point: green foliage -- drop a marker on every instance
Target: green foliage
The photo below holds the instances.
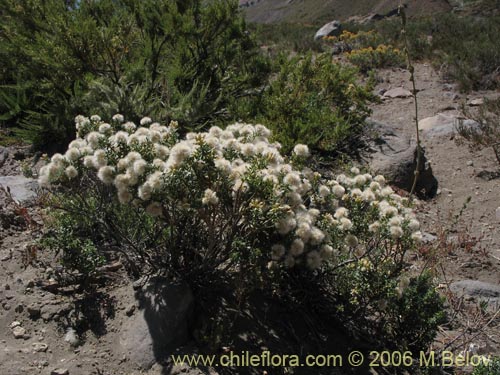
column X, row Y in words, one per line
column 71, row 236
column 415, row 317
column 279, row 37
column 367, row 50
column 187, row 60
column 315, row 102
column 491, row 367
column 465, row 48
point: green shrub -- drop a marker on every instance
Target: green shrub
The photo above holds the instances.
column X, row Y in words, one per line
column 188, row 60
column 293, row 37
column 71, row 237
column 491, row 367
column 316, row 102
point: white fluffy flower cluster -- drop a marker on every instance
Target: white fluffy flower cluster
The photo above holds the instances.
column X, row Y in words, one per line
column 317, row 218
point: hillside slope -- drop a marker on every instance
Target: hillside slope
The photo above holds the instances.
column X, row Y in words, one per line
column 317, row 11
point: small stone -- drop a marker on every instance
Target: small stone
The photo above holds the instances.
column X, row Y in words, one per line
column 40, row 347
column 476, row 102
column 470, row 163
column 19, row 309
column 34, row 312
column 72, row 338
column 19, row 332
column 60, row 371
column 15, row 324
column 7, row 257
column 397, row 92
column 130, row 311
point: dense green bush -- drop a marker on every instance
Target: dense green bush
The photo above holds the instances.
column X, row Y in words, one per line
column 315, row 101
column 187, row 60
column 489, row 367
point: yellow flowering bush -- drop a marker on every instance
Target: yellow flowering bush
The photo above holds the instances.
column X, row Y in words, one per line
column 367, row 50
column 381, row 57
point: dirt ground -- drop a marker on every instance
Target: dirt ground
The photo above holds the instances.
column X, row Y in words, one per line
column 40, row 318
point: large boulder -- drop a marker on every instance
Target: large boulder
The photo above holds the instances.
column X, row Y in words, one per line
column 333, row 28
column 480, row 290
column 160, row 325
column 395, row 157
column 21, row 188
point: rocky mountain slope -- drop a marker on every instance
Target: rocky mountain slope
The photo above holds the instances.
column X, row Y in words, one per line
column 318, row 11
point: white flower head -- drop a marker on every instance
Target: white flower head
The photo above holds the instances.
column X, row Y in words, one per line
column 118, row 118
column 106, row 174
column 146, row 121
column 301, row 151
column 297, row 247
column 71, row 172
column 209, row 197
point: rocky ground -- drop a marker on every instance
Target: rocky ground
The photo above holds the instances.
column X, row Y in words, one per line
column 49, row 329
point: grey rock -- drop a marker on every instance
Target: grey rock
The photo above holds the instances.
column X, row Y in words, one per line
column 33, row 312
column 4, row 154
column 395, row 158
column 478, row 289
column 53, row 312
column 160, row 325
column 19, row 332
column 397, row 92
column 21, row 188
column 333, row 28
column 443, row 125
column 476, row 102
column 60, row 371
column 428, row 238
column 40, row 347
column 72, row 338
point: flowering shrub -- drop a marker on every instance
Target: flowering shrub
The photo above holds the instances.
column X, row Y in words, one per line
column 226, row 207
column 367, row 51
column 228, row 199
column 380, row 57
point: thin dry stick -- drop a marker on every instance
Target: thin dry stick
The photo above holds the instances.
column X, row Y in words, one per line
column 411, row 68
